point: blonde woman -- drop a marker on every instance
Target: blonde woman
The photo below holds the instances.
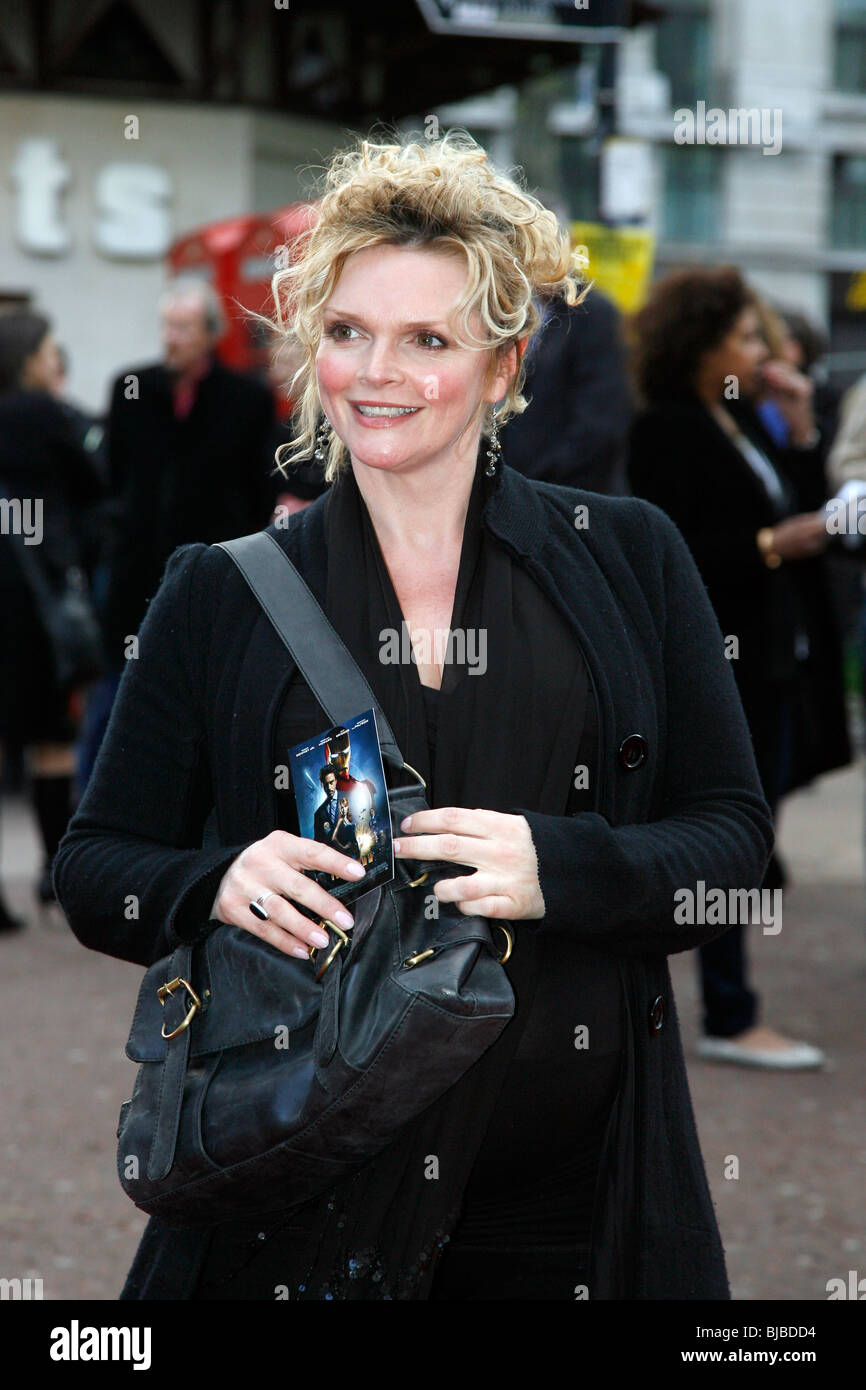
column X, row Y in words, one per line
column 593, row 764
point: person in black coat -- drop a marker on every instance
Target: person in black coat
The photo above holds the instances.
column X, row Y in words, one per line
column 190, row 456
column 603, row 657
column 750, row 513
column 575, row 430
column 671, row 806
column 44, row 466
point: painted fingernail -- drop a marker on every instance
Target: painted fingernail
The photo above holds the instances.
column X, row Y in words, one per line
column 319, row 938
column 405, row 822
column 301, row 951
column 396, row 846
column 344, row 920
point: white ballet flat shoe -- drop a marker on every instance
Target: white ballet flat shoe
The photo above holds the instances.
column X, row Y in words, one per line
column 798, row 1057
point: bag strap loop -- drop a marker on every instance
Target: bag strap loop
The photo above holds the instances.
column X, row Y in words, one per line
column 162, row 1149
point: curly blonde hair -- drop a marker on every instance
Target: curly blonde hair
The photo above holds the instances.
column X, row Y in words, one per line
column 440, row 194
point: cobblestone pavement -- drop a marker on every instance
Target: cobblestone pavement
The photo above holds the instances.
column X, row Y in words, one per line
column 791, row 1220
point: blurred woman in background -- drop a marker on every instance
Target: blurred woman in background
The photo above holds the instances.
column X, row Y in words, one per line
column 750, row 512
column 49, row 483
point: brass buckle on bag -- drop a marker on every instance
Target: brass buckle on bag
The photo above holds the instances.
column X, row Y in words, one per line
column 510, row 940
column 416, row 772
column 342, row 941
column 423, row 955
column 416, row 960
column 168, row 989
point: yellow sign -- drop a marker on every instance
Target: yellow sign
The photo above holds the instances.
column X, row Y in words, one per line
column 855, row 295
column 620, row 261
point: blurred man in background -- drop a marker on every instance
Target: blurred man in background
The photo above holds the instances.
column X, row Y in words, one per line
column 190, row 458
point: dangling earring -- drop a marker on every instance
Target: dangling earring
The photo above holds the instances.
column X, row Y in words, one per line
column 494, row 451
column 324, row 434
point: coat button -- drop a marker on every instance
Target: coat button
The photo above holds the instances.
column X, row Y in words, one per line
column 657, row 1014
column 633, row 752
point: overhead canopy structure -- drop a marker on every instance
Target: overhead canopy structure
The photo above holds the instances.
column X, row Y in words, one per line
column 347, row 62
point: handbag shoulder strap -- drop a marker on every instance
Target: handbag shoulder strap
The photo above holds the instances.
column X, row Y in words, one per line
column 319, row 653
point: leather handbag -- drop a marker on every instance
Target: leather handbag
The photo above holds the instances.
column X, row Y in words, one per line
column 73, row 630
column 264, row 1078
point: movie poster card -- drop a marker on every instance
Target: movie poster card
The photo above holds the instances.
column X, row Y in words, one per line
column 342, row 800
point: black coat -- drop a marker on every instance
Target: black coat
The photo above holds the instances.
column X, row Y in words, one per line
column 202, row 478
column 575, row 429
column 678, row 801
column 685, row 463
column 41, row 459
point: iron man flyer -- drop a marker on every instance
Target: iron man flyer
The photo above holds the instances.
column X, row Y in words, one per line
column 339, row 786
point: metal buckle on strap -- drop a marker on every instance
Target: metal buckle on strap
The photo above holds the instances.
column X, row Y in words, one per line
column 509, row 940
column 416, row 772
column 342, row 940
column 411, row 961
column 165, row 991
column 417, row 959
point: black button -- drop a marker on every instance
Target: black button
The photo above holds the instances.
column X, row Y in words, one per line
column 633, row 751
column 657, row 1014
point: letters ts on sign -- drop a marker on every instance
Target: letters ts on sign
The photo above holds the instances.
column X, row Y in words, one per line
column 132, row 205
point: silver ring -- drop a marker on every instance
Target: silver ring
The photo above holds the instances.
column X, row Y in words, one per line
column 257, row 908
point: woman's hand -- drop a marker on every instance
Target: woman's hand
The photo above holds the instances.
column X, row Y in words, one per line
column 497, row 845
column 275, row 863
column 792, row 392
column 800, row 536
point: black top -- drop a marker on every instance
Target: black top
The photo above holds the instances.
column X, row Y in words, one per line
column 534, row 1178
column 553, row 1109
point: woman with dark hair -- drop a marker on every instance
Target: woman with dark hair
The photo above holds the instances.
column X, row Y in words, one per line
column 750, row 513
column 48, row 485
column 569, row 782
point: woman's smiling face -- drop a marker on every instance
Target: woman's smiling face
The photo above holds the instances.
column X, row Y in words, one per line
column 393, row 380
